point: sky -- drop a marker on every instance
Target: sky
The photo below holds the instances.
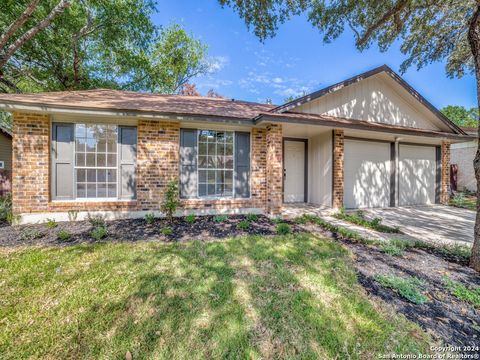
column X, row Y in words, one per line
column 296, row 60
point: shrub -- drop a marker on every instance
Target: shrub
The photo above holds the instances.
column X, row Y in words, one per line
column 12, row 218
column 5, row 207
column 149, row 218
column 29, row 234
column 358, row 218
column 51, row 223
column 96, row 221
column 302, row 220
column 283, row 229
column 409, row 288
column 167, row 231
column 243, row 225
column 190, row 219
column 391, row 249
column 171, row 200
column 63, row 235
column 99, row 232
column 220, row 218
column 252, row 217
column 460, row 291
column 72, row 215
column 276, row 220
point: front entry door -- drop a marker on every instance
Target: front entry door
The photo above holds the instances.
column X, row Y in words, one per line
column 294, row 171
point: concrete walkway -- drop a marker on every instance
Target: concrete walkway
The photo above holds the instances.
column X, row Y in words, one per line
column 438, row 224
column 441, row 224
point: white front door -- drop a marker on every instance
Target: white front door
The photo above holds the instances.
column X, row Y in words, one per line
column 294, row 163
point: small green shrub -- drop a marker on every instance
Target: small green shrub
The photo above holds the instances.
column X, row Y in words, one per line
column 301, row 220
column 190, row 219
column 72, row 215
column 167, row 231
column 149, row 218
column 358, row 218
column 409, row 288
column 99, row 232
column 171, row 200
column 391, row 249
column 51, row 223
column 5, row 207
column 243, row 225
column 283, row 229
column 29, row 234
column 63, row 235
column 460, row 291
column 12, row 218
column 252, row 217
column 220, row 218
column 276, row 220
column 96, row 221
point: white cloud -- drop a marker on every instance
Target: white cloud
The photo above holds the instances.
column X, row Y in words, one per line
column 217, row 63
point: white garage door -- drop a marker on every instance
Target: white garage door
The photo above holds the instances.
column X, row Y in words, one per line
column 367, row 174
column 416, row 178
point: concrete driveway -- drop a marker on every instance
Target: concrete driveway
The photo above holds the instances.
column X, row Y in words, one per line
column 443, row 224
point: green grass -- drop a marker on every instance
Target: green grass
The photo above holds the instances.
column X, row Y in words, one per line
column 410, row 288
column 358, row 218
column 220, row 218
column 460, row 291
column 463, row 200
column 293, row 296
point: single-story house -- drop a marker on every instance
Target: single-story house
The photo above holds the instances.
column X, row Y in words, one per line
column 369, row 141
column 462, row 156
column 5, row 161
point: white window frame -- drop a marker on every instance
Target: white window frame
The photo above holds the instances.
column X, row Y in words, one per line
column 215, row 197
column 75, row 167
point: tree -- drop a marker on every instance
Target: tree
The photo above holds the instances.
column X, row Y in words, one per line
column 461, row 116
column 429, row 31
column 92, row 44
column 212, row 93
column 189, row 90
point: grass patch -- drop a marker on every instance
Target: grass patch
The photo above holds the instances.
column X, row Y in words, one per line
column 294, row 296
column 149, row 218
column 409, row 288
column 459, row 252
column 464, row 201
column 220, row 218
column 396, row 247
column 358, row 218
column 283, row 229
column 460, row 291
column 190, row 219
column 243, row 225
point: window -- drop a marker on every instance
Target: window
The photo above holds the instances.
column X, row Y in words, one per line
column 215, row 163
column 96, row 161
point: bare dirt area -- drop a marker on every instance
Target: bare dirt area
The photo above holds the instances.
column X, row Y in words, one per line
column 203, row 228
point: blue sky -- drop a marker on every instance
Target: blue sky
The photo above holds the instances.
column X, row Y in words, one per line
column 296, row 60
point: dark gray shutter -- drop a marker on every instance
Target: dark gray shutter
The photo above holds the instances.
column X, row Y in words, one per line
column 188, row 163
column 127, row 159
column 62, row 161
column 242, row 165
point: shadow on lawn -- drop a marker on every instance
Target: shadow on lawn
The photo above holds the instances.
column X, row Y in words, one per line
column 243, row 299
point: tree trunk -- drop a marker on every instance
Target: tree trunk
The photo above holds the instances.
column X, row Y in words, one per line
column 9, row 31
column 474, row 41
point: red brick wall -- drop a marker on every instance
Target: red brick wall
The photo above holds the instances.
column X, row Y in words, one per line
column 338, row 164
column 274, row 168
column 444, row 195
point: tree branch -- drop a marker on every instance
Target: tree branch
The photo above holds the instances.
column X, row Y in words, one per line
column 386, row 17
column 9, row 31
column 56, row 11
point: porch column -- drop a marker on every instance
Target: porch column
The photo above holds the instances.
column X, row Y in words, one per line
column 338, row 183
column 274, row 169
column 445, row 181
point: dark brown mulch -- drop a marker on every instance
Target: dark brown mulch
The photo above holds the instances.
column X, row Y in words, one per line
column 445, row 317
column 204, row 228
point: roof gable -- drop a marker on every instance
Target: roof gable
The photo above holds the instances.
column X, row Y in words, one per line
column 390, row 99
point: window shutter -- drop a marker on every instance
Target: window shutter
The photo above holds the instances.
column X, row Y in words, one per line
column 62, row 161
column 127, row 152
column 242, row 165
column 188, row 163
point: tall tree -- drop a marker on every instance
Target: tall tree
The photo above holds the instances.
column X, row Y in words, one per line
column 429, row 31
column 91, row 44
column 461, row 116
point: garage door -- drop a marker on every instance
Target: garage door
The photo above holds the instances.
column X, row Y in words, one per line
column 367, row 174
column 416, row 178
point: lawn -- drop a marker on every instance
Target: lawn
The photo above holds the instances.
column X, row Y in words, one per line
column 293, row 296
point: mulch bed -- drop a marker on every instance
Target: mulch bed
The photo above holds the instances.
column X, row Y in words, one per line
column 445, row 317
column 204, row 228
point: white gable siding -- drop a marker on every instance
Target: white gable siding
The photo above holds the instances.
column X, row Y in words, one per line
column 377, row 99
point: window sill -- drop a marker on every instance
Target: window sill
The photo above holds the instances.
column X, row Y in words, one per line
column 102, row 200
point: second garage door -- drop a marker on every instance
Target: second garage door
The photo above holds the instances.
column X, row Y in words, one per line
column 367, row 174
column 417, row 173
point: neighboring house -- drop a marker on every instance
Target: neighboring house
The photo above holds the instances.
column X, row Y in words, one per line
column 5, row 161
column 370, row 141
column 462, row 156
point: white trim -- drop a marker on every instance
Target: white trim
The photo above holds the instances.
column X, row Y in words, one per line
column 35, row 218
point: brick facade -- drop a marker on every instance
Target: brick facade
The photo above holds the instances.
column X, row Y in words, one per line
column 445, row 181
column 157, row 163
column 338, row 173
column 274, row 141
